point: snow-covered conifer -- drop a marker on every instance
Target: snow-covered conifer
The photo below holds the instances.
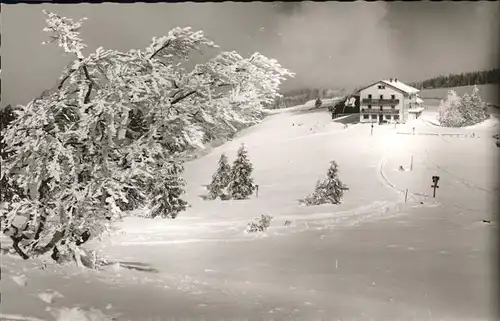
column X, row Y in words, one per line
column 241, row 185
column 479, row 109
column 166, row 194
column 467, row 110
column 449, row 111
column 220, row 179
column 330, row 190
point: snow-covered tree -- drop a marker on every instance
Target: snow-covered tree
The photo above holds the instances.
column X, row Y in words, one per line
column 467, row 110
column 241, row 185
column 166, row 194
column 119, row 124
column 8, row 190
column 449, row 111
column 479, row 108
column 329, row 190
column 220, row 179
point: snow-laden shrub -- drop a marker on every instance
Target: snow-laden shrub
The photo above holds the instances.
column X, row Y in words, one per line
column 241, row 184
column 113, row 133
column 456, row 111
column 329, row 190
column 261, row 225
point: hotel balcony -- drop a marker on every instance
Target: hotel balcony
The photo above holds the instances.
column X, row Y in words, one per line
column 378, row 111
column 378, row 102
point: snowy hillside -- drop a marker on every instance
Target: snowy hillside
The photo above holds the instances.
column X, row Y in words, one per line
column 325, row 103
column 374, row 256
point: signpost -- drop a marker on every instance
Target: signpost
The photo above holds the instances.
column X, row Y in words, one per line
column 435, row 180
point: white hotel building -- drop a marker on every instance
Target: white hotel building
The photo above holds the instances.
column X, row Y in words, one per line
column 389, row 101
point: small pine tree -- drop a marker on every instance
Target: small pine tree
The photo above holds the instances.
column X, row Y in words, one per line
column 167, row 202
column 466, row 110
column 330, row 190
column 241, row 184
column 449, row 111
column 479, row 109
column 220, row 179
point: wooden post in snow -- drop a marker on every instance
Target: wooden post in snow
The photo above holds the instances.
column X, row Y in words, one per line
column 411, row 164
column 257, row 191
column 435, row 180
column 406, row 195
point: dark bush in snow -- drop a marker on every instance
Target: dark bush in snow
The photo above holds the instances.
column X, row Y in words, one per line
column 261, row 225
column 330, row 190
column 318, row 103
column 8, row 189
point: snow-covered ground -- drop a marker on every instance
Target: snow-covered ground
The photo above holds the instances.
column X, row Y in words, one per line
column 325, row 102
column 373, row 257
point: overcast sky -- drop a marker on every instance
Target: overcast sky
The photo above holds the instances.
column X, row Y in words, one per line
column 327, row 44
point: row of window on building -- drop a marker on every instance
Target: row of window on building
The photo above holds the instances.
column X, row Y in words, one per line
column 381, row 107
column 375, row 117
column 381, row 96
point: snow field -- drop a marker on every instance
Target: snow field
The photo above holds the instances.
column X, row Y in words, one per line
column 371, row 257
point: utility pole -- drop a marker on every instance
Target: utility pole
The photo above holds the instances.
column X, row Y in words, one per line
column 435, row 180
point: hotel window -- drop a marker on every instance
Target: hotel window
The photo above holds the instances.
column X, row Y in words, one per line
column 388, row 117
column 366, row 116
column 374, row 117
column 396, row 117
column 393, row 96
column 381, row 108
column 381, row 96
column 370, row 96
column 393, row 107
column 381, row 87
column 369, row 106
